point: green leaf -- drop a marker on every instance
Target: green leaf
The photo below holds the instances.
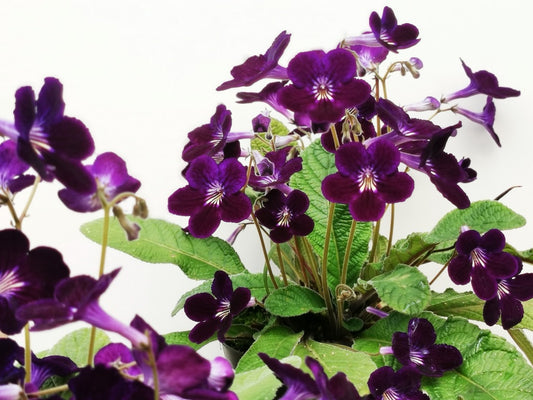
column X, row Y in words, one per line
column 162, row 242
column 481, row 216
column 407, row 251
column 254, row 282
column 317, row 163
column 276, row 341
column 405, row 289
column 336, row 358
column 75, row 345
column 491, row 369
column 260, row 383
column 182, row 338
column 294, row 300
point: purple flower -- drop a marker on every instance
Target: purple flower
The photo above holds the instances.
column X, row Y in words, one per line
column 103, row 383
column 484, row 118
column 482, row 82
column 261, row 66
column 12, row 168
column 50, row 142
column 216, row 313
column 213, row 195
column 10, row 353
column 323, row 85
column 368, row 58
column 269, row 95
column 428, row 104
column 46, row 367
column 367, row 179
column 387, row 33
column 285, row 215
column 25, row 275
column 404, row 384
column 507, row 302
column 301, row 386
column 76, row 299
column 274, row 170
column 111, row 175
column 481, row 260
column 117, row 355
column 417, row 349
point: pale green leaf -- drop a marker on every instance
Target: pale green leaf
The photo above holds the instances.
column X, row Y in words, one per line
column 75, row 345
column 294, row 300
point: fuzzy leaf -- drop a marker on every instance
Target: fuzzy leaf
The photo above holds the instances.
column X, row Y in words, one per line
column 405, row 289
column 481, row 216
column 294, row 300
column 317, row 163
column 276, row 341
column 162, row 242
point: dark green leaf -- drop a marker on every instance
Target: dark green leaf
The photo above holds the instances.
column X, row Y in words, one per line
column 408, row 251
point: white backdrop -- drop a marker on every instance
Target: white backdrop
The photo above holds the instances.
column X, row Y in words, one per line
column 142, row 74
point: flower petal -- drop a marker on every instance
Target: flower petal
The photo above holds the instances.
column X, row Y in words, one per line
column 200, row 306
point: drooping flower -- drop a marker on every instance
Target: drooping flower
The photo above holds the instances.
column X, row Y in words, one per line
column 404, row 384
column 484, row 118
column 301, row 386
column 261, row 66
column 507, row 302
column 213, row 195
column 76, row 299
column 481, row 260
column 25, row 275
column 215, row 312
column 417, row 349
column 269, row 95
column 111, row 175
column 367, row 179
column 274, row 170
column 386, row 32
column 12, row 168
column 53, row 144
column 482, row 82
column 285, row 215
column 323, row 85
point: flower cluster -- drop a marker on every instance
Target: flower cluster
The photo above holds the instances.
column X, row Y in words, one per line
column 336, row 294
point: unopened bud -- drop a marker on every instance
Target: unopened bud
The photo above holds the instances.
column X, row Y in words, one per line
column 140, row 209
column 131, row 228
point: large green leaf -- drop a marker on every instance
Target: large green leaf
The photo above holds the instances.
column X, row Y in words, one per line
column 492, row 368
column 336, row 358
column 276, row 341
column 162, row 242
column 316, row 165
column 294, row 300
column 75, row 345
column 481, row 216
column 405, row 289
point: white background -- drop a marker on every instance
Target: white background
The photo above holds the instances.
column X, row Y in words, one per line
column 142, row 74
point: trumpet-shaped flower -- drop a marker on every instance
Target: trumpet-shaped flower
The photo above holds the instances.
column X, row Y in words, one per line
column 53, row 144
column 404, row 384
column 213, row 195
column 367, row 179
column 484, row 118
column 274, row 170
column 215, row 312
column 12, row 168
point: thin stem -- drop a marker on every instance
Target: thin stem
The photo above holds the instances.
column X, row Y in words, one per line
column 391, row 229
column 441, row 270
column 13, row 212
column 27, row 353
column 375, row 240
column 281, row 265
column 45, row 392
column 522, row 342
column 153, row 365
column 301, row 260
column 347, row 252
column 265, row 253
column 325, row 290
column 378, row 120
column 30, row 199
column 335, row 137
column 313, row 264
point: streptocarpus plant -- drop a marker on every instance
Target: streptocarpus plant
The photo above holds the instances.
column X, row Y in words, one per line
column 341, row 310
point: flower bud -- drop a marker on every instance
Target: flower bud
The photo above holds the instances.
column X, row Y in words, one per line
column 131, row 229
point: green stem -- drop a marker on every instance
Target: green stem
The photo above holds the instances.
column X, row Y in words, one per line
column 265, row 253
column 334, row 135
column 391, row 229
column 46, row 392
column 301, row 260
column 325, row 289
column 375, row 240
column 281, row 265
column 522, row 342
column 441, row 270
column 27, row 353
column 347, row 252
column 312, row 263
column 30, row 199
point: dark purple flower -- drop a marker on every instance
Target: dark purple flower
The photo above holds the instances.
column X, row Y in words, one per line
column 417, row 349
column 348, row 130
column 261, row 123
column 215, row 312
column 76, row 299
column 301, row 386
column 367, row 179
column 484, row 118
column 274, row 170
column 507, row 302
column 387, row 33
column 261, row 66
column 285, row 215
column 404, row 384
column 117, row 355
column 481, row 82
column 269, row 95
column 481, row 260
column 10, row 353
column 323, row 85
column 103, row 383
column 111, row 175
column 12, row 168
column 53, row 144
column 368, row 58
column 46, row 367
column 213, row 195
column 25, row 275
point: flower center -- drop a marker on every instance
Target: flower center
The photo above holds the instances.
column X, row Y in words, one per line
column 39, row 139
column 10, row 283
column 417, row 357
column 284, row 217
column 478, row 256
column 322, row 89
column 223, row 309
column 390, row 394
column 367, row 180
column 214, row 196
